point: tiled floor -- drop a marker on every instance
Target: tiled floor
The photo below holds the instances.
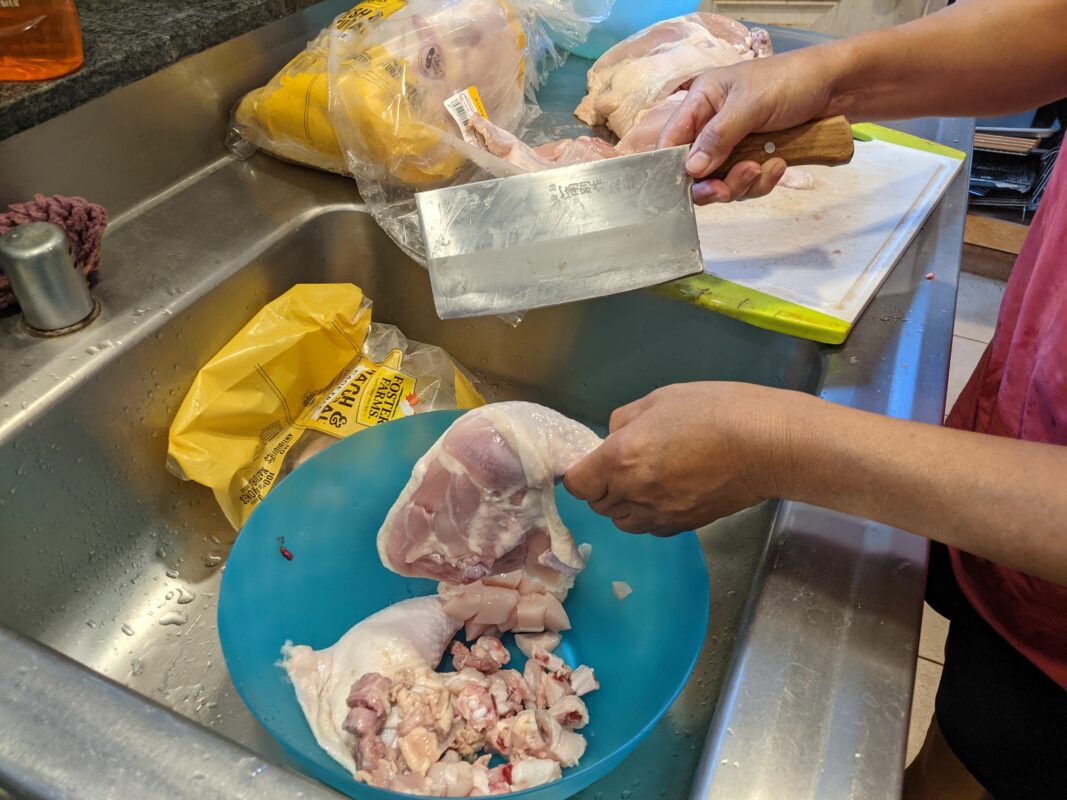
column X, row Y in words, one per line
column 977, row 306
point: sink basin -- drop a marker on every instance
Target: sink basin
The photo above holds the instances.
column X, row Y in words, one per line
column 113, row 562
column 110, row 559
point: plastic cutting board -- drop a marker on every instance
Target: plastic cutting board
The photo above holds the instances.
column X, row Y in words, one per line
column 807, row 262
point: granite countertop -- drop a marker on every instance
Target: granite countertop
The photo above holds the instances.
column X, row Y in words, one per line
column 126, row 40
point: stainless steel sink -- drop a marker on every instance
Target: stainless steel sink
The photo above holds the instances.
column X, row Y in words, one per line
column 113, row 562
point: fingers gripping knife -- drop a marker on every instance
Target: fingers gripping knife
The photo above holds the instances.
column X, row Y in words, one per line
column 589, row 230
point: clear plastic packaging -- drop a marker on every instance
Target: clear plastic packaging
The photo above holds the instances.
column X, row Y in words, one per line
column 394, row 79
column 289, row 117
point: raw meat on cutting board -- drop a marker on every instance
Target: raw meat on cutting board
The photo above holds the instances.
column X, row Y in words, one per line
column 482, row 501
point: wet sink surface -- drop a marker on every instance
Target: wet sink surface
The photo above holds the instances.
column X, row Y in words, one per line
column 809, row 659
column 113, row 561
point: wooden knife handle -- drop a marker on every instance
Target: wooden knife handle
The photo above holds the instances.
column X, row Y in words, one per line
column 825, row 141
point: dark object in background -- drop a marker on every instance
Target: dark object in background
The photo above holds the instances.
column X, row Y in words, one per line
column 1016, row 180
column 84, row 223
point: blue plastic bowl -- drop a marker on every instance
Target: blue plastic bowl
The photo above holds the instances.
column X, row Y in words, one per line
column 329, row 511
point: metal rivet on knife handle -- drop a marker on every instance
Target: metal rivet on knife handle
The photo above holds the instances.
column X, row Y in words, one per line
column 825, row 141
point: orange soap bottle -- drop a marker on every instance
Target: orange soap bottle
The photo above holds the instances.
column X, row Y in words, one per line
column 39, row 39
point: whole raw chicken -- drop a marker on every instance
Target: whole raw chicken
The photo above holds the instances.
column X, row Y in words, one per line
column 481, row 500
column 635, row 88
column 653, row 64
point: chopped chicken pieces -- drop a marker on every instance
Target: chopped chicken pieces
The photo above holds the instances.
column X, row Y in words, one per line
column 547, row 641
column 533, row 772
column 419, row 749
column 570, row 712
column 552, row 663
column 431, row 735
column 405, row 640
column 492, row 606
column 583, row 681
column 553, row 689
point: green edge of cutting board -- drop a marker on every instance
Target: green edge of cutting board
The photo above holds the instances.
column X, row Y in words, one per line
column 772, row 313
column 756, row 308
column 867, row 131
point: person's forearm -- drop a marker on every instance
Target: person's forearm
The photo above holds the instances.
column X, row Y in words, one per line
column 1002, row 499
column 974, row 58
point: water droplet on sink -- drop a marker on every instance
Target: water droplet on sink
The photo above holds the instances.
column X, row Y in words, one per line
column 172, row 573
column 161, row 552
column 170, row 595
column 127, row 630
column 185, row 596
column 174, row 618
column 212, row 560
column 137, row 666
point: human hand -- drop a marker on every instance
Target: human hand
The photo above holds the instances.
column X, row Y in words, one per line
column 725, row 104
column 688, row 454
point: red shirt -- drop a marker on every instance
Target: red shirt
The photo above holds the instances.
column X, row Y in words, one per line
column 1019, row 389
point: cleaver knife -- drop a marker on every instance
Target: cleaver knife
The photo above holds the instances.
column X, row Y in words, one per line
column 574, row 233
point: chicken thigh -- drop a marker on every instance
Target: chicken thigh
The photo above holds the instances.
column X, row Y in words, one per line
column 409, row 636
column 481, row 501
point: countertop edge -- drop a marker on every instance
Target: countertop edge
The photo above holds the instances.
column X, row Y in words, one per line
column 124, row 42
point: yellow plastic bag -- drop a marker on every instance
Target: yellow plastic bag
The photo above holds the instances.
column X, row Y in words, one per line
column 309, row 369
column 378, row 94
column 289, row 117
column 393, row 112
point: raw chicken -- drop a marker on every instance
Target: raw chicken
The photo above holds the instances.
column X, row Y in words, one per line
column 375, row 705
column 648, row 125
column 481, row 501
column 639, row 72
column 560, row 153
column 411, row 635
column 518, row 601
column 565, row 152
column 641, row 138
column 547, row 641
column 635, row 88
